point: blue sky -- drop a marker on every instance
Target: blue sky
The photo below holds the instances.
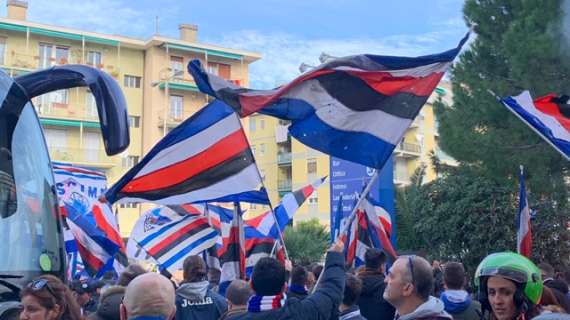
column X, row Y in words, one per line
column 286, row 33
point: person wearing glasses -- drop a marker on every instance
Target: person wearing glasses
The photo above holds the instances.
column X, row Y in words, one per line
column 510, row 286
column 409, row 285
column 47, row 298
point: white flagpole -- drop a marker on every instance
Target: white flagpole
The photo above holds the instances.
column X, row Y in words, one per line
column 359, row 202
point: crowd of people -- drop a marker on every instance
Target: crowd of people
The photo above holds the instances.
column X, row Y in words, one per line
column 509, row 287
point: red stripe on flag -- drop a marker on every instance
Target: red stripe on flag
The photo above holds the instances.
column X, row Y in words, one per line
column 251, row 104
column 546, row 106
column 307, row 191
column 255, row 222
column 216, row 154
column 387, row 84
column 173, row 237
column 71, row 169
column 108, row 229
column 88, row 258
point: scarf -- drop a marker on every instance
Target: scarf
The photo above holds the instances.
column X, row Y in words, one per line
column 298, row 289
column 263, row 303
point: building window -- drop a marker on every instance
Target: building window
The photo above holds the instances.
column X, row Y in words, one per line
column 261, row 124
column 2, row 50
column 90, row 105
column 59, row 96
column 45, row 55
column 311, row 166
column 314, row 198
column 253, row 149
column 56, row 138
column 252, row 206
column 177, row 66
column 130, row 161
column 129, row 205
column 252, row 124
column 132, row 81
column 61, row 55
column 176, row 107
column 134, row 121
column 220, row 69
column 262, row 149
column 94, row 59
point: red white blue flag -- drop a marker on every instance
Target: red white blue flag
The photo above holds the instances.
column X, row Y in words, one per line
column 524, row 234
column 355, row 108
column 206, row 158
column 549, row 116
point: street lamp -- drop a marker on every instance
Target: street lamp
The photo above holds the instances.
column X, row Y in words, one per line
column 166, row 81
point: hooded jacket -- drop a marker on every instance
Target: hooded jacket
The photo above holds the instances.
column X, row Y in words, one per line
column 320, row 305
column 433, row 308
column 371, row 302
column 459, row 304
column 194, row 300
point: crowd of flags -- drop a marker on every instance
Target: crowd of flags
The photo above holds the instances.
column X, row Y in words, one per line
column 356, row 108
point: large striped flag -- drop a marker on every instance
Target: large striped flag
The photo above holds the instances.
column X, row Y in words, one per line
column 356, row 108
column 232, row 258
column 91, row 223
column 524, row 234
column 549, row 116
column 206, row 158
column 169, row 237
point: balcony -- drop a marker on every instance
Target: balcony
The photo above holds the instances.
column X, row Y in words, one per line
column 408, row 150
column 284, row 158
column 67, row 111
column 284, row 187
column 172, row 120
column 401, row 179
column 87, row 157
column 444, row 157
column 179, row 85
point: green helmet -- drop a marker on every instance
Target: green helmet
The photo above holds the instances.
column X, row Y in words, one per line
column 514, row 267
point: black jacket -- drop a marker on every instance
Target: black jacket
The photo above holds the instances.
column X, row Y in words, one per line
column 371, row 302
column 320, row 304
column 195, row 300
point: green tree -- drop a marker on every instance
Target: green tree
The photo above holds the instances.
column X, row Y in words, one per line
column 464, row 216
column 306, row 242
column 518, row 45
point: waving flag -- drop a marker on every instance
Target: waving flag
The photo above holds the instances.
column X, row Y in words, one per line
column 169, row 237
column 549, row 116
column 206, row 158
column 378, row 227
column 356, row 108
column 90, row 224
column 265, row 223
column 524, row 234
column 232, row 260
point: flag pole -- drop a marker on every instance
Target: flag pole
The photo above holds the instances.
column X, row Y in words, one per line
column 360, row 199
column 529, row 125
column 279, row 230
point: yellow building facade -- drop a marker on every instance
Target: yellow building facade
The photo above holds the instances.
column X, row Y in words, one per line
column 288, row 165
column 152, row 74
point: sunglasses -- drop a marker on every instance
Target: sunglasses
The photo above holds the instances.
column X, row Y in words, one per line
column 39, row 284
column 411, row 267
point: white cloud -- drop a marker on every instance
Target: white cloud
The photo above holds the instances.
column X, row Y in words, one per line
column 283, row 53
column 104, row 16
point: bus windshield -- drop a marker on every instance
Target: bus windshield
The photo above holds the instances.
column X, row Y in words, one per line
column 28, row 217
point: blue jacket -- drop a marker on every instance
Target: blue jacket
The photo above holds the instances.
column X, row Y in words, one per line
column 194, row 300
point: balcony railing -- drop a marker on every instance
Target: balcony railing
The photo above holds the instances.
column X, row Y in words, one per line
column 80, row 155
column 284, row 158
column 401, row 178
column 284, row 185
column 16, row 63
column 67, row 111
column 408, row 150
column 173, row 120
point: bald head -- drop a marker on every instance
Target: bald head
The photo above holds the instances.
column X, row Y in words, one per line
column 149, row 294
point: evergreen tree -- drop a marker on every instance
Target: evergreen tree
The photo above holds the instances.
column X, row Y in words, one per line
column 517, row 46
